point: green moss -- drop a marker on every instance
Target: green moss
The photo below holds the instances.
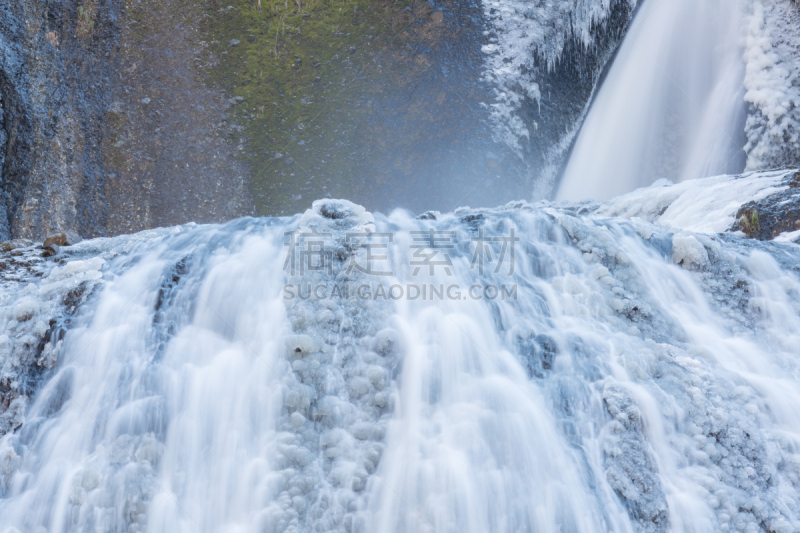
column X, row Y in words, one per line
column 307, row 73
column 749, row 222
column 754, row 222
column 87, row 13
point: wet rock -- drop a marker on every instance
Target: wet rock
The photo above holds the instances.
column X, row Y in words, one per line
column 62, row 239
column 778, row 213
column 13, row 417
column 631, row 468
column 538, row 352
column 53, row 90
column 15, row 244
column 474, row 221
column 91, row 152
column 53, row 243
column 338, row 209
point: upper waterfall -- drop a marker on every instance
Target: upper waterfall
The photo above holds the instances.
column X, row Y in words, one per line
column 672, row 104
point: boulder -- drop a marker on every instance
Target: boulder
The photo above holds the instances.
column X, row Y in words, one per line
column 778, row 213
column 53, row 243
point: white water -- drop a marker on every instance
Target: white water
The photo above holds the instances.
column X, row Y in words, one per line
column 619, row 392
column 672, row 105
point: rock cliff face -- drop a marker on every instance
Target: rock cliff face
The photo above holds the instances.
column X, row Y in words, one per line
column 545, row 63
column 106, row 127
column 168, row 146
column 54, row 77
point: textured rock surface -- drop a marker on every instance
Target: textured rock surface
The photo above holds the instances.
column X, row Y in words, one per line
column 82, row 151
column 777, row 214
column 54, row 91
column 168, row 145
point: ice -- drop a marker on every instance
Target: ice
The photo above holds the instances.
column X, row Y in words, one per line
column 644, row 378
column 772, row 82
column 707, row 205
column 521, row 32
column 25, row 309
column 788, row 236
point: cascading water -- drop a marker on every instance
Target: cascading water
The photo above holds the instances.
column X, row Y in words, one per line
column 620, row 376
column 672, row 105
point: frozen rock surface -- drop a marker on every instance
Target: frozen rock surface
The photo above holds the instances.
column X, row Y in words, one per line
column 526, row 39
column 635, row 369
column 772, row 82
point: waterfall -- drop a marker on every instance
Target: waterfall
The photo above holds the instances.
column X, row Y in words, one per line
column 671, row 106
column 524, row 368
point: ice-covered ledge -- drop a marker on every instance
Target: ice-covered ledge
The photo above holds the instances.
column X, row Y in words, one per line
column 768, row 201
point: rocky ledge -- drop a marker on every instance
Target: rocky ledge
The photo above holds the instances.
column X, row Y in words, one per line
column 774, row 217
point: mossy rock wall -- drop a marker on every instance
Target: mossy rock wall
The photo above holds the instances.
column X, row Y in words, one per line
column 377, row 102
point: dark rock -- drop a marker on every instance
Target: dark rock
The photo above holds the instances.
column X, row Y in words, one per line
column 82, row 144
column 429, row 215
column 335, row 210
column 794, row 182
column 53, row 243
column 54, row 72
column 473, row 220
column 538, row 353
column 15, row 244
column 767, row 218
column 62, row 239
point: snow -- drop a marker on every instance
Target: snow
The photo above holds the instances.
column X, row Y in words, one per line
column 25, row 309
